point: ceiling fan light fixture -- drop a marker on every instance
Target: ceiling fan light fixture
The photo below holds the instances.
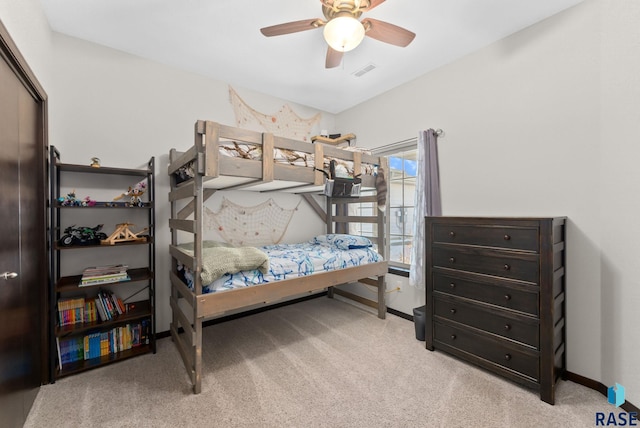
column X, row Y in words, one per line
column 344, row 33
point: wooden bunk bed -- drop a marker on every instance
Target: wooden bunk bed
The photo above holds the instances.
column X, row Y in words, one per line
column 211, row 171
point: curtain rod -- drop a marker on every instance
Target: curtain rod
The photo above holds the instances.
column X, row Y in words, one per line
column 398, row 144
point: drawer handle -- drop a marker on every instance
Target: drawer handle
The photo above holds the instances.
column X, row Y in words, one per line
column 453, row 337
column 507, row 327
column 507, row 267
column 507, row 357
column 452, row 285
column 452, row 310
column 507, row 297
column 452, row 234
column 452, row 259
column 507, row 237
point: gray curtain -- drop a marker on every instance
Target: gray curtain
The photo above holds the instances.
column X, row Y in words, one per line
column 427, row 199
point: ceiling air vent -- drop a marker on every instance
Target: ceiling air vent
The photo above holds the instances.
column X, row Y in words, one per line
column 364, row 70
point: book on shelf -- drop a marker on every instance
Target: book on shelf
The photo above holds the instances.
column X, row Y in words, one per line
column 104, row 270
column 100, row 309
column 77, row 310
column 105, row 314
column 59, row 354
column 86, row 347
column 109, row 306
column 100, row 344
column 71, row 311
column 70, row 350
column 104, row 274
column 145, row 331
column 90, row 311
column 104, row 280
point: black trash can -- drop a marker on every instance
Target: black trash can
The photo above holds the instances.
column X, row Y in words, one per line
column 419, row 315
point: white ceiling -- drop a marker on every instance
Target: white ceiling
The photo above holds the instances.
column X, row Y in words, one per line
column 221, row 39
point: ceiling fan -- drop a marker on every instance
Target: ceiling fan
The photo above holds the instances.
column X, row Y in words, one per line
column 342, row 29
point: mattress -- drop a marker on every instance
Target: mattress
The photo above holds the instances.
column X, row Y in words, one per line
column 287, row 261
column 283, row 156
column 291, row 157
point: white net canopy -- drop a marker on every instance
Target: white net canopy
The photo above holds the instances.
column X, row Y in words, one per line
column 262, row 224
column 284, row 123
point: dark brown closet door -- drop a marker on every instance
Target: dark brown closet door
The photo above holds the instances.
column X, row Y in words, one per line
column 12, row 354
column 22, row 243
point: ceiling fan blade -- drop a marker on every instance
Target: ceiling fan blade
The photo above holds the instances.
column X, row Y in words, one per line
column 387, row 33
column 334, row 58
column 292, row 27
column 372, row 4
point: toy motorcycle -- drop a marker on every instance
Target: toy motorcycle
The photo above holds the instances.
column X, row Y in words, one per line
column 82, row 236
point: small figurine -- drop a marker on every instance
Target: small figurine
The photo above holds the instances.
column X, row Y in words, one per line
column 69, row 200
column 135, row 193
column 88, row 202
column 95, row 162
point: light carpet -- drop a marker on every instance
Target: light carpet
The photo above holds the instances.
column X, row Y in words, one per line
column 317, row 363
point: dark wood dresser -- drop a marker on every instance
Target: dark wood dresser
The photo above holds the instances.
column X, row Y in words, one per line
column 495, row 295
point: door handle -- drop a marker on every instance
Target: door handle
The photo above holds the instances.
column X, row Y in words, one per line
column 9, row 275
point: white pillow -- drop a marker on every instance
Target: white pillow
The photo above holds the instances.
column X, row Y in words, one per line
column 343, row 241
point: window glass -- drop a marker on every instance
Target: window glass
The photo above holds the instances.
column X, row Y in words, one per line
column 401, row 185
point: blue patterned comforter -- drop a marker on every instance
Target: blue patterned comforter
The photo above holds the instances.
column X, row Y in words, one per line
column 288, row 261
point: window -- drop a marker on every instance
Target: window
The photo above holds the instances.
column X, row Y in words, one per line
column 401, row 183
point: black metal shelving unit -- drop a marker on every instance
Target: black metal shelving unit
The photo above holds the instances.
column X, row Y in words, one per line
column 69, row 285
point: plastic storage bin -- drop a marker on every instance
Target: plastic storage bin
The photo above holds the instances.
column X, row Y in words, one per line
column 419, row 315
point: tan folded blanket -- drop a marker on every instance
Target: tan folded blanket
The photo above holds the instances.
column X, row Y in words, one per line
column 219, row 258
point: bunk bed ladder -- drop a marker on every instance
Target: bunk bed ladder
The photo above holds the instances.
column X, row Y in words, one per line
column 338, row 220
column 190, row 342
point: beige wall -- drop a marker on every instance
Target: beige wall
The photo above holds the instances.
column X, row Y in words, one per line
column 619, row 193
column 29, row 28
column 544, row 123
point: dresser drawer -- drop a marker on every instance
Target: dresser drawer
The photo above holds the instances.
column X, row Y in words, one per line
column 516, row 238
column 511, row 357
column 520, row 329
column 520, row 266
column 517, row 298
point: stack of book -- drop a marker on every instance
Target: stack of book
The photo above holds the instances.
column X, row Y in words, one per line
column 69, row 350
column 104, row 275
column 99, row 344
column 71, row 311
column 108, row 305
column 116, row 340
column 76, row 310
